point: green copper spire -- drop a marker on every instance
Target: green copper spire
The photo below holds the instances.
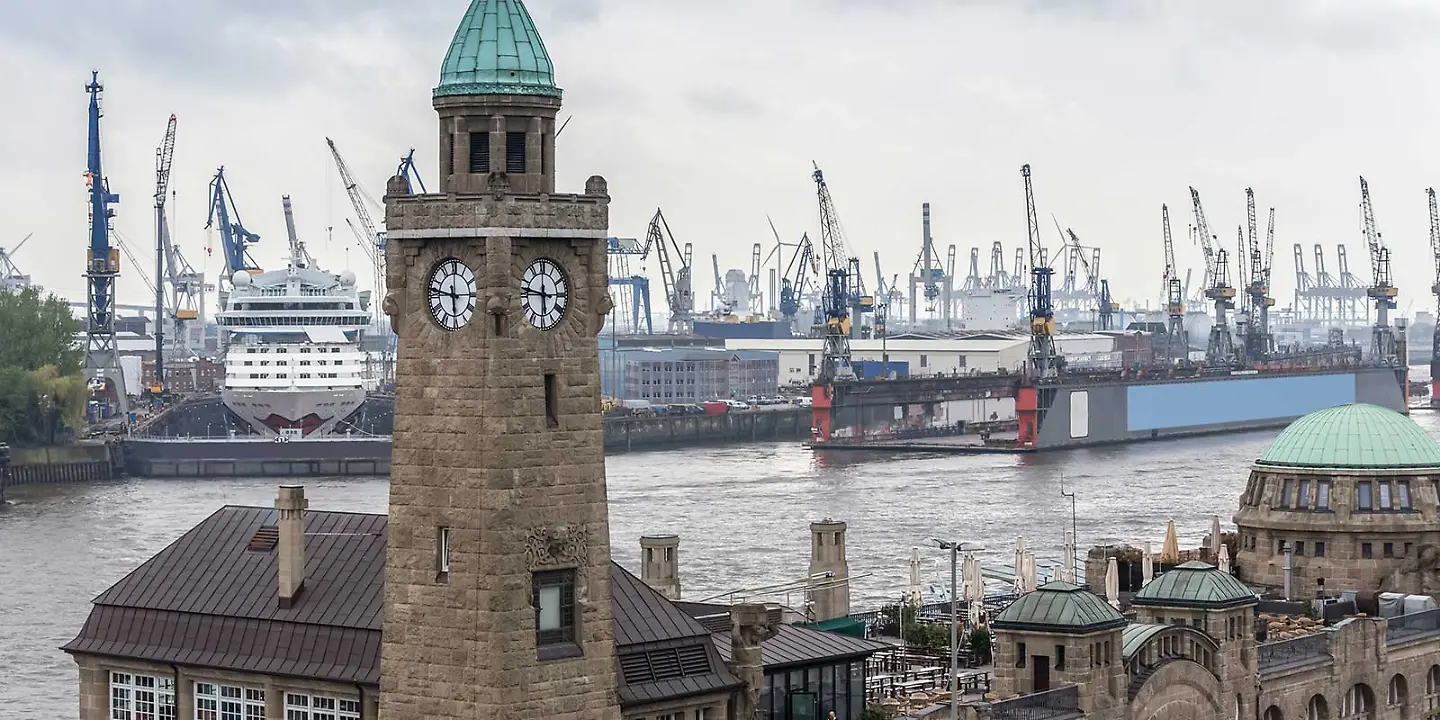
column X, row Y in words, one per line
column 496, row 51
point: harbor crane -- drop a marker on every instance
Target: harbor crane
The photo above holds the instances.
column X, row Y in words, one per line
column 179, row 288
column 370, row 237
column 411, row 174
column 1434, row 290
column 11, row 279
column 795, row 284
column 634, row 287
column 102, row 266
column 841, row 290
column 234, row 238
column 1177, row 342
column 163, row 157
column 1044, row 361
column 1220, row 350
column 1258, row 340
column 929, row 273
column 1382, row 287
column 679, row 293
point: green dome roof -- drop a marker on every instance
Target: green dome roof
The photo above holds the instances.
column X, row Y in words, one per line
column 1061, row 608
column 1353, row 437
column 1195, row 585
column 496, row 51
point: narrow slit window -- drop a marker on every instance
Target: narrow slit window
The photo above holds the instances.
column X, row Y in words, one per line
column 442, row 551
column 514, row 152
column 450, row 154
column 479, row 152
column 552, row 401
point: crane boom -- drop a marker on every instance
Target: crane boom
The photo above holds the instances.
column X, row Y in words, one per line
column 373, row 236
column 1043, row 359
column 1382, row 288
column 164, row 158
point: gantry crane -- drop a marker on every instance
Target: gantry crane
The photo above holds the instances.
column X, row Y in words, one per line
column 929, row 273
column 679, row 294
column 102, row 267
column 1044, row 362
column 370, row 237
column 1435, row 290
column 634, row 287
column 1382, row 287
column 1177, row 343
column 1220, row 350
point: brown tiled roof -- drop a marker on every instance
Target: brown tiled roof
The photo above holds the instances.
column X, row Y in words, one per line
column 793, row 645
column 209, row 599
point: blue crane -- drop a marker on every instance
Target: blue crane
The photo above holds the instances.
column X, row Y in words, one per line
column 797, row 276
column 103, row 262
column 408, row 171
column 234, row 238
column 639, row 284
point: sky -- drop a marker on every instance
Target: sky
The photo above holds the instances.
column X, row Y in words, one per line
column 714, row 112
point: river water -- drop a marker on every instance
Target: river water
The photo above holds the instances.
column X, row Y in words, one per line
column 742, row 513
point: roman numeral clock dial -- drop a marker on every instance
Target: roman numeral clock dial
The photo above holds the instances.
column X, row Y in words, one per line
column 452, row 294
column 544, row 293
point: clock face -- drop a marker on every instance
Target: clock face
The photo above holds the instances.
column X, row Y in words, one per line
column 544, row 293
column 452, row 294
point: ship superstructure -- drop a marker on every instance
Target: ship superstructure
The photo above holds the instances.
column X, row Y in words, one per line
column 293, row 363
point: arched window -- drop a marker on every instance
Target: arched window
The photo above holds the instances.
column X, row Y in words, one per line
column 1273, row 713
column 1398, row 695
column 1359, row 703
column 1239, row 707
column 1432, row 687
column 1317, row 708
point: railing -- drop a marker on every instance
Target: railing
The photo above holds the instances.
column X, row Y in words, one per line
column 1058, row 703
column 1295, row 651
column 1406, row 627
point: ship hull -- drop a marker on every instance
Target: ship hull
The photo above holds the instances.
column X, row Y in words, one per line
column 1077, row 414
column 303, row 413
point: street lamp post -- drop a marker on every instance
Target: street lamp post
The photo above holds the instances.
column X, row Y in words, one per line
column 954, row 549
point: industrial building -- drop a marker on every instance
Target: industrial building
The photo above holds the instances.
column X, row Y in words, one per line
column 687, row 374
column 933, row 353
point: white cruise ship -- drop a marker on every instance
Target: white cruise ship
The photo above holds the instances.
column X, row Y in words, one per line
column 293, row 363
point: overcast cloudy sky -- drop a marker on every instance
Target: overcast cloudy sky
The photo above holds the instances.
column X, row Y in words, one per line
column 714, row 111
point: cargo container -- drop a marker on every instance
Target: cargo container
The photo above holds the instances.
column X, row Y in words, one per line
column 716, row 407
column 878, row 369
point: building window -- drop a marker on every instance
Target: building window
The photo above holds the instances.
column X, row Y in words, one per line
column 141, row 697
column 1302, row 496
column 320, row 707
column 554, row 600
column 1385, row 496
column 1362, row 495
column 1322, row 495
column 1388, row 549
column 1285, row 493
column 479, row 152
column 228, row 702
column 1300, row 548
column 1319, row 548
column 1059, row 657
column 924, row 361
column 1403, row 486
column 1365, row 551
column 442, row 551
column 515, row 152
column 552, row 402
column 1019, row 654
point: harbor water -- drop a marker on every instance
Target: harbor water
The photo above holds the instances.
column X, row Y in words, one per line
column 742, row 513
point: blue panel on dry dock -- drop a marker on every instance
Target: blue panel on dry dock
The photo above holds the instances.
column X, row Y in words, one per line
column 1234, row 400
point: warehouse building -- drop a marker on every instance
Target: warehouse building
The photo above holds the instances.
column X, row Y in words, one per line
column 687, row 374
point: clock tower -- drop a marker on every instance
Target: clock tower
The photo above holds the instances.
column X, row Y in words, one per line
column 497, row 578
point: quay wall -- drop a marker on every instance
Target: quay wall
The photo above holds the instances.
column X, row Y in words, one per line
column 81, row 462
column 760, row 425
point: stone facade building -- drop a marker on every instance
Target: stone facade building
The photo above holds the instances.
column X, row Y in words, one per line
column 1348, row 497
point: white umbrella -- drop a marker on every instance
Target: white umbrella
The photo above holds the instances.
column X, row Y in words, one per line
column 1112, row 583
column 914, row 598
column 975, row 589
column 1224, row 560
column 1020, row 565
column 1067, row 563
column 1170, row 552
column 1215, row 536
column 1147, row 567
column 1030, row 571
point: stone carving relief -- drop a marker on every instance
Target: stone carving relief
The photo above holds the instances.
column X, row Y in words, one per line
column 557, row 546
column 391, row 307
column 602, row 306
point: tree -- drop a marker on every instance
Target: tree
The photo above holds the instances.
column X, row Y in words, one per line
column 38, row 331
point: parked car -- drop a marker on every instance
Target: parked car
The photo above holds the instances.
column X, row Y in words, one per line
column 803, row 402
column 737, row 405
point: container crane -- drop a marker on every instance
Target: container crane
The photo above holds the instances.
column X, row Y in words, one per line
column 102, row 267
column 1044, row 361
column 679, row 294
column 1435, row 290
column 1220, row 350
column 1382, row 288
column 1177, row 343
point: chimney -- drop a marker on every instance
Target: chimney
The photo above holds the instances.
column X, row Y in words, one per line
column 291, row 505
column 750, row 628
column 660, row 564
column 829, row 580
